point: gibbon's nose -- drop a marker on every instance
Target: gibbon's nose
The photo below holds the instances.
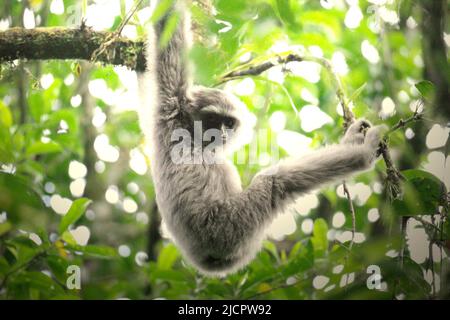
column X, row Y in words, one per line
column 224, row 132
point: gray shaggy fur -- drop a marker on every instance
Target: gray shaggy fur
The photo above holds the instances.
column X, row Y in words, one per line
column 218, row 226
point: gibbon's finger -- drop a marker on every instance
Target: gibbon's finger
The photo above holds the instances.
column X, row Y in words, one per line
column 353, row 134
column 358, row 126
column 374, row 136
column 357, row 138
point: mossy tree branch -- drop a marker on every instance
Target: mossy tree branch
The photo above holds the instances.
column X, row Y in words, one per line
column 66, row 43
column 83, row 44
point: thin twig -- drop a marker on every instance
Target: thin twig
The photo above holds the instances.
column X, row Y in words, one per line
column 257, row 69
column 348, row 115
column 430, row 256
column 283, row 286
column 22, row 266
column 394, row 177
column 425, row 223
column 403, row 123
column 128, row 16
column 401, row 255
column 114, row 36
column 352, row 211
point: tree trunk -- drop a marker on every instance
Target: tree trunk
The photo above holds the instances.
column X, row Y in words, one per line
column 435, row 54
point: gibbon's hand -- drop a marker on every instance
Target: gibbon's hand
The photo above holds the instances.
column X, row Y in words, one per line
column 356, row 132
column 361, row 132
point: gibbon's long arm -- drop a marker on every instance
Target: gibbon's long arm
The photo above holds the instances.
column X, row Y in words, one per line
column 164, row 84
column 171, row 61
column 231, row 221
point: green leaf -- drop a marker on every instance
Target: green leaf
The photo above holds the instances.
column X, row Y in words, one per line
column 123, row 9
column 116, row 23
column 357, row 93
column 68, row 238
column 426, row 89
column 324, row 21
column 4, row 228
column 6, row 145
column 301, row 259
column 4, row 266
column 38, row 106
column 43, row 148
column 422, row 193
column 169, row 275
column 39, row 281
column 412, row 279
column 295, row 249
column 84, row 7
column 100, row 251
column 161, row 9
column 167, row 257
column 95, row 251
column 284, row 12
column 75, row 212
column 272, row 248
column 169, row 29
column 6, row 152
column 58, row 266
column 319, row 239
column 16, row 194
column 6, row 119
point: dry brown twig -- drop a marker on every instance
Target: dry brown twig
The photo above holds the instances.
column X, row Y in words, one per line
column 113, row 36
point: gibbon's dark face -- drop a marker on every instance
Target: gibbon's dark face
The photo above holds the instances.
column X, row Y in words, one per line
column 224, row 123
column 215, row 109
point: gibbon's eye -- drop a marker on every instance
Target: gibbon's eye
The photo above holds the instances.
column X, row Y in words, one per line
column 229, row 122
column 211, row 121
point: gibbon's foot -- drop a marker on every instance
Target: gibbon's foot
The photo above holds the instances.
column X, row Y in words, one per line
column 356, row 132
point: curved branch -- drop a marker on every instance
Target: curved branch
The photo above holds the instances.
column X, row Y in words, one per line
column 66, row 43
column 257, row 69
column 393, row 174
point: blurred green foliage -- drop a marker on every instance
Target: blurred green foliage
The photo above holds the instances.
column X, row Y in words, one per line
column 43, row 129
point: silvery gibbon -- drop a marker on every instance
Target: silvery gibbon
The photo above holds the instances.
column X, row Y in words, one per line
column 217, row 225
